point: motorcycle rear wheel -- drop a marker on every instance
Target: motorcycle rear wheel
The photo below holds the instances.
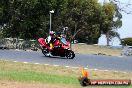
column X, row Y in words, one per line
column 70, row 54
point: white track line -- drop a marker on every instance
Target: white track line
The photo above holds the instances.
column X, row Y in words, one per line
column 95, row 69
column 124, row 72
column 85, row 68
column 36, row 63
column 116, row 71
column 67, row 66
column 56, row 65
column 15, row 61
column 106, row 70
column 25, row 62
column 73, row 67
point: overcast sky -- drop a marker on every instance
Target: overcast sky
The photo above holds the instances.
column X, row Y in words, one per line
column 126, row 29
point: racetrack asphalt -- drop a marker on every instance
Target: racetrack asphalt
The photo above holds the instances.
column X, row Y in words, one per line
column 92, row 61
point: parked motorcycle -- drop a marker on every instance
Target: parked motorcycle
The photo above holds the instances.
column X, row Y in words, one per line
column 60, row 48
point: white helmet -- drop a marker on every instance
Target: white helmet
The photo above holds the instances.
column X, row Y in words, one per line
column 52, row 32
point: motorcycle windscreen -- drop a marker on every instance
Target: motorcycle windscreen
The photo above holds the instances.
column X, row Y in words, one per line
column 63, row 40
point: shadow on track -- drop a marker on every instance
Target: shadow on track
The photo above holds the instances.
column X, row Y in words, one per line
column 57, row 57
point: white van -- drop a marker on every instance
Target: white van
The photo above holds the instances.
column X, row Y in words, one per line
column 127, row 51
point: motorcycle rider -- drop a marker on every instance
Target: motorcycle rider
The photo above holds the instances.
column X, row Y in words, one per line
column 50, row 40
column 55, row 45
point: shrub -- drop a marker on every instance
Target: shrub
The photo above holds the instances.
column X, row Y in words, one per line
column 126, row 41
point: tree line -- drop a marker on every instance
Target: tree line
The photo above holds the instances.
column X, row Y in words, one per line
column 86, row 19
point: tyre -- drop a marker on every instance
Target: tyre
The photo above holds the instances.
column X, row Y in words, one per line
column 70, row 54
column 45, row 52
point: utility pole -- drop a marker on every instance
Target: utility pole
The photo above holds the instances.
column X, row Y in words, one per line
column 50, row 19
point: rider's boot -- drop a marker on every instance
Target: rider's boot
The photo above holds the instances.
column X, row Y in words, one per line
column 49, row 54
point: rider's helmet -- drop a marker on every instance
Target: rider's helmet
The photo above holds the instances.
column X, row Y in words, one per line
column 52, row 33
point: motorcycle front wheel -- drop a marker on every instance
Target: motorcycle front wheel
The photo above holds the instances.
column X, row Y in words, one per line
column 45, row 52
column 70, row 54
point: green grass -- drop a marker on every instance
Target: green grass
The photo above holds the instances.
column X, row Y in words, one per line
column 29, row 76
column 32, row 76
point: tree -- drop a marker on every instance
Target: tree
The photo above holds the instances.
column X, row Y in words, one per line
column 126, row 41
column 86, row 19
column 111, row 19
column 25, row 18
column 123, row 7
column 4, row 11
column 114, row 34
column 81, row 16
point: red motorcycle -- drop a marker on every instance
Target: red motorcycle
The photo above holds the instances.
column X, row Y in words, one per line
column 60, row 48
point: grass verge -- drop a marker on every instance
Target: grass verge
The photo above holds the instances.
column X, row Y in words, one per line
column 95, row 49
column 32, row 73
column 31, row 76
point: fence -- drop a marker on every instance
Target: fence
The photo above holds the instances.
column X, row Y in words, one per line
column 15, row 43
